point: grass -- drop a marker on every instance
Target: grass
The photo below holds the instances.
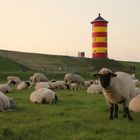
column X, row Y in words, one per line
column 76, row 116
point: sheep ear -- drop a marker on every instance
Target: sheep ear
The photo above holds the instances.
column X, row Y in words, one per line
column 113, row 74
column 97, row 75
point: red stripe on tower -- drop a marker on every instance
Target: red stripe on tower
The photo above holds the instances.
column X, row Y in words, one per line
column 99, row 38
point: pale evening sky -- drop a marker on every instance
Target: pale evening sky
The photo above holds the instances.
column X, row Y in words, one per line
column 62, row 27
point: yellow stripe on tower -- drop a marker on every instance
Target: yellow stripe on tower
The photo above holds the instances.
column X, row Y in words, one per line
column 99, row 50
column 99, row 29
column 99, row 39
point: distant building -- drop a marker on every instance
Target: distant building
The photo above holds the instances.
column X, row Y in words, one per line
column 81, row 54
column 99, row 38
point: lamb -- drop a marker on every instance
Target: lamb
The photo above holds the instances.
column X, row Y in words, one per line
column 43, row 95
column 94, row 89
column 38, row 77
column 6, row 103
column 74, row 78
column 8, row 87
column 117, row 88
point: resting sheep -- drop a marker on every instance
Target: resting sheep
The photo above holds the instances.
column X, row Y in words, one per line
column 42, row 85
column 117, row 88
column 43, row 95
column 8, row 87
column 74, row 78
column 23, row 85
column 6, row 103
column 95, row 89
column 38, row 77
column 57, row 85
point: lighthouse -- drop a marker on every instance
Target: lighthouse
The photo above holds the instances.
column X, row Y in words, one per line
column 99, row 38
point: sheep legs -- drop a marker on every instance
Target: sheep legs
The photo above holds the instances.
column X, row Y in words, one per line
column 112, row 113
column 126, row 113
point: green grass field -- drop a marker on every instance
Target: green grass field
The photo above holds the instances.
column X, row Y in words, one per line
column 76, row 116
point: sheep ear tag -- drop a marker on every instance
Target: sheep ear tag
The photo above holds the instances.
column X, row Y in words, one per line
column 97, row 75
column 113, row 74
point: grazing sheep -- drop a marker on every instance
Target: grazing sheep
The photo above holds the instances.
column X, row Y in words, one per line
column 8, row 87
column 6, row 103
column 74, row 78
column 42, row 85
column 23, row 85
column 38, row 77
column 57, row 85
column 94, row 89
column 117, row 88
column 43, row 95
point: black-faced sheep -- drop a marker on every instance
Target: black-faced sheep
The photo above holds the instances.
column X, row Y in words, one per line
column 117, row 88
column 74, row 78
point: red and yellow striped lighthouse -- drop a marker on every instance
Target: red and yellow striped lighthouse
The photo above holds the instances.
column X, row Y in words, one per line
column 99, row 38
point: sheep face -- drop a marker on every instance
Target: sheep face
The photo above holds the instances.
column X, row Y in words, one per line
column 105, row 78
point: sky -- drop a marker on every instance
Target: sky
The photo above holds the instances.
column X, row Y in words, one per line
column 62, row 27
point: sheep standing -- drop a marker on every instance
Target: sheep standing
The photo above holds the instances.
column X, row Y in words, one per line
column 74, row 78
column 6, row 103
column 38, row 77
column 117, row 88
column 43, row 95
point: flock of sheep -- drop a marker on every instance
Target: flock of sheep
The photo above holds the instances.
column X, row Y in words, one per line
column 119, row 87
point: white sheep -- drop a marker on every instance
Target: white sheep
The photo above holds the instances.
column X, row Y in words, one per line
column 42, row 85
column 73, row 86
column 14, row 78
column 43, row 95
column 6, row 103
column 8, row 87
column 38, row 77
column 117, row 88
column 23, row 85
column 94, row 89
column 136, row 82
column 57, row 85
column 74, row 78
column 134, row 104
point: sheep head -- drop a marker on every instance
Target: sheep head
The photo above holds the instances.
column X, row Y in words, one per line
column 105, row 76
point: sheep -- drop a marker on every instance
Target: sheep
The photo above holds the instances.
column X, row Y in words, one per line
column 74, row 78
column 94, row 89
column 73, row 86
column 136, row 82
column 23, row 85
column 6, row 103
column 117, row 88
column 43, row 95
column 38, row 77
column 42, row 85
column 57, row 85
column 14, row 78
column 88, row 83
column 134, row 104
column 8, row 87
